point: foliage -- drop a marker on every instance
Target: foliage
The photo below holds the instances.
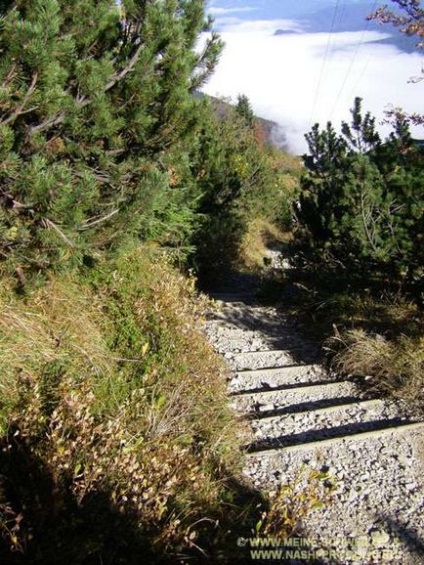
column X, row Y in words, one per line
column 361, row 208
column 410, row 21
column 93, row 98
column 114, row 404
column 242, row 179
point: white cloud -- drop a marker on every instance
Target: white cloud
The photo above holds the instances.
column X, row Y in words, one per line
column 299, row 79
column 216, row 11
column 262, row 27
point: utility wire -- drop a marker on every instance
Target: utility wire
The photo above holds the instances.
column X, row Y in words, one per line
column 324, row 62
column 353, row 61
column 366, row 65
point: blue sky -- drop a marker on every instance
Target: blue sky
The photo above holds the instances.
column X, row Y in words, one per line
column 305, row 61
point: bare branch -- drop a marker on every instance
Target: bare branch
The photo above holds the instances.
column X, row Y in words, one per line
column 117, row 77
column 92, row 223
column 50, row 122
column 367, row 219
column 10, row 76
column 20, row 109
column 50, row 224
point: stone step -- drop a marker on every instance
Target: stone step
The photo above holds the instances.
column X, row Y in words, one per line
column 249, row 381
column 252, row 360
column 242, row 316
column 268, row 401
column 239, row 345
column 322, row 423
column 232, row 333
column 220, row 330
column 384, row 435
column 376, row 473
column 250, row 342
column 234, row 297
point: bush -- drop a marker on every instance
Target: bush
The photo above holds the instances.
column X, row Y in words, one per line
column 361, row 205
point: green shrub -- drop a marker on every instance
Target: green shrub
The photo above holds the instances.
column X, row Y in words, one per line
column 361, row 208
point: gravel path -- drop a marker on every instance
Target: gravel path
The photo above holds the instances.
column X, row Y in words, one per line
column 300, row 415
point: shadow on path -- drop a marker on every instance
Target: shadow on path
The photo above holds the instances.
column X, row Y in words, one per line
column 240, row 295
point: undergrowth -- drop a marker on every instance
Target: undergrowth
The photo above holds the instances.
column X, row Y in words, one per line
column 370, row 333
column 117, row 442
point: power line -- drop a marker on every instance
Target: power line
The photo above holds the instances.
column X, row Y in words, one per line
column 353, row 60
column 324, row 62
column 368, row 61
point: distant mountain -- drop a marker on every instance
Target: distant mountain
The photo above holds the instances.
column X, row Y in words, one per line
column 286, row 32
column 352, row 17
column 314, row 16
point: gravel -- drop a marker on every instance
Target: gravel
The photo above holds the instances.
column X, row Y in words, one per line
column 303, row 418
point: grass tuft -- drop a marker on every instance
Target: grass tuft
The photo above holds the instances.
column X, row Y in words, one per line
column 391, row 367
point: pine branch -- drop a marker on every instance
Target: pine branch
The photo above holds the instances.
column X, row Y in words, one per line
column 82, row 102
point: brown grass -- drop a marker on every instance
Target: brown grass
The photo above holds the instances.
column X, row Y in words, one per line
column 112, row 389
column 260, row 236
column 392, row 367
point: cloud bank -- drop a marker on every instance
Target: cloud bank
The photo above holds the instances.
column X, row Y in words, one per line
column 299, row 79
column 218, row 11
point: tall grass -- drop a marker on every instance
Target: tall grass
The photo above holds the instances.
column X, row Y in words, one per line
column 371, row 333
column 116, row 439
column 391, row 367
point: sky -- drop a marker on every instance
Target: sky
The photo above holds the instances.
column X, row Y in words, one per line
column 304, row 62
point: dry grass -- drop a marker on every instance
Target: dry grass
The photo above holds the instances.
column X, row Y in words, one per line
column 394, row 367
column 260, row 236
column 115, row 396
column 57, row 325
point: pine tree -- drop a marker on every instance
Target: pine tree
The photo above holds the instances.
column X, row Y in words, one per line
column 245, row 111
column 92, row 96
column 362, row 202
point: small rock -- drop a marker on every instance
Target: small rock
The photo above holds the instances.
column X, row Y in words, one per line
column 411, row 486
column 405, row 461
column 360, row 546
column 379, row 538
column 266, row 407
